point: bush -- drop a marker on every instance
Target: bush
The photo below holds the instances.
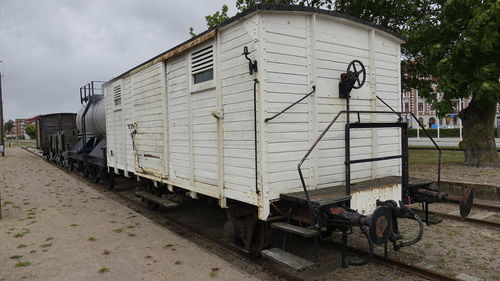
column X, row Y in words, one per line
column 443, row 133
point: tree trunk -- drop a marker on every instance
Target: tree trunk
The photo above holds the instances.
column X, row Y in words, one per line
column 478, row 137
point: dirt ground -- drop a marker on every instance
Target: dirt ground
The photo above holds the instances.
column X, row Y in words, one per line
column 54, row 227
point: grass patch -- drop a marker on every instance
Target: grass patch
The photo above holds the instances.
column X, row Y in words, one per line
column 45, row 245
column 22, row 263
column 118, row 230
column 91, row 239
column 49, row 239
column 178, row 262
column 431, row 156
column 15, row 257
column 213, row 272
column 131, row 234
column 106, row 252
column 103, row 269
column 168, row 245
column 73, row 225
column 21, row 234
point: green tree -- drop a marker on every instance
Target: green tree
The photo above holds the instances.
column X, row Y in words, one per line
column 453, row 49
column 459, row 46
column 217, row 18
column 30, row 130
column 191, row 32
column 8, row 126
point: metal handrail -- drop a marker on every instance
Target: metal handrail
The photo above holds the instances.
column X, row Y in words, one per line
column 290, row 106
column 425, row 131
column 433, row 142
column 321, row 137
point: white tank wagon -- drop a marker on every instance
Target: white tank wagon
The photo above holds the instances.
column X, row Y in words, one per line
column 231, row 113
column 95, row 117
column 89, row 154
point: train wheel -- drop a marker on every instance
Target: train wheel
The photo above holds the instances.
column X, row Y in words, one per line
column 153, row 206
column 260, row 239
column 111, row 180
column 244, row 228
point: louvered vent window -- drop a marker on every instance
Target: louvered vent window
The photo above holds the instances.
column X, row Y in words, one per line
column 117, row 95
column 202, row 65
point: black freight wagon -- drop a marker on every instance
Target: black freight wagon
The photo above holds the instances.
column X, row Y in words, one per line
column 49, row 124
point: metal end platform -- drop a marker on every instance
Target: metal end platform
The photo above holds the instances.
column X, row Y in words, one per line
column 336, row 194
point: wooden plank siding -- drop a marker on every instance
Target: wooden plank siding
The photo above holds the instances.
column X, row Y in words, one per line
column 181, row 140
column 238, row 103
column 148, row 108
column 335, row 44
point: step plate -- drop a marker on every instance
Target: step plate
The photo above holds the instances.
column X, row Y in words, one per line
column 302, row 231
column 157, row 199
column 288, row 259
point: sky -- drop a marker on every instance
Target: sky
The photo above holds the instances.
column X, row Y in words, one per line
column 50, row 48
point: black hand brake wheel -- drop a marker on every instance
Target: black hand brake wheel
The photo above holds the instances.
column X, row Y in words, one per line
column 356, row 72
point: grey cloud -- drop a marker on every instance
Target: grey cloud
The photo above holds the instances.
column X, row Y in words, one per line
column 51, row 48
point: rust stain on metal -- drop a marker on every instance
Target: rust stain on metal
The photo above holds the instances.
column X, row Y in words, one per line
column 381, row 227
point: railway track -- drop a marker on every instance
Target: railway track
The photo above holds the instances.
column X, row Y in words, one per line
column 269, row 267
column 457, row 199
column 272, row 269
column 459, row 218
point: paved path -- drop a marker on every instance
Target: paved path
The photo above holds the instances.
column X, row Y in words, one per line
column 424, row 141
column 56, row 227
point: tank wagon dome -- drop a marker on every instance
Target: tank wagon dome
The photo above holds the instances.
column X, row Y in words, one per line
column 95, row 119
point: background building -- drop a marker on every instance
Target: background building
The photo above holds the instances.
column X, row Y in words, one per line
column 411, row 102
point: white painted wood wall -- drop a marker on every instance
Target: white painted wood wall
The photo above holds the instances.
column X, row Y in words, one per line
column 179, row 142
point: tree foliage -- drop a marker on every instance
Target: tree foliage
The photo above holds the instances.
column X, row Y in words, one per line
column 453, row 49
column 217, row 18
column 30, row 130
column 8, row 126
column 191, row 31
column 459, row 46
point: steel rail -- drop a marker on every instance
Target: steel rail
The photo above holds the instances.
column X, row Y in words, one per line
column 183, row 229
column 467, row 219
column 457, row 200
column 410, row 268
column 270, row 268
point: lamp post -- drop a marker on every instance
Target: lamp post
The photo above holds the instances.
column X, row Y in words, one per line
column 2, row 141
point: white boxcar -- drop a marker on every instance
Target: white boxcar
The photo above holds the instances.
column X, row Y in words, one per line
column 186, row 117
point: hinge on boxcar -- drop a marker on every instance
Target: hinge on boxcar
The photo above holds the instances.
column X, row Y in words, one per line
column 252, row 65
